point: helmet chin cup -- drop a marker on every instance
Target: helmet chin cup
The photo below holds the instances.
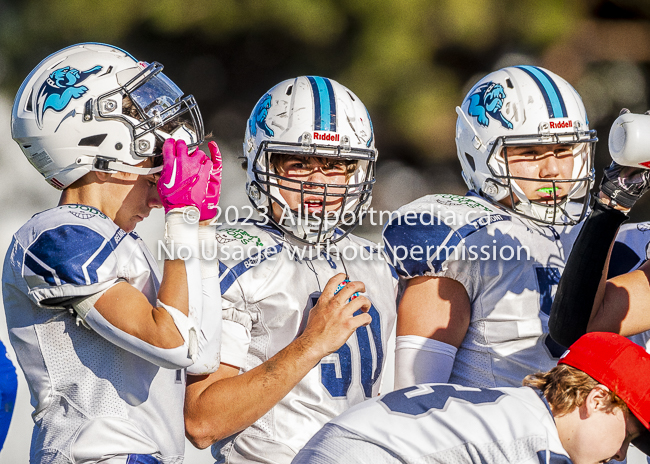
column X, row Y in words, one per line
column 524, row 106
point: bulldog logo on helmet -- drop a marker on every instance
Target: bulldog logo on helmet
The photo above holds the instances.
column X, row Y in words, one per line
column 258, row 118
column 59, row 89
column 488, row 100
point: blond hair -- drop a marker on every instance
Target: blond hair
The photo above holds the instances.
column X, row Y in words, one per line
column 566, row 388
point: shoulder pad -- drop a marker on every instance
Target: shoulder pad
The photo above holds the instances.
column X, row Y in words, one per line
column 424, row 233
column 458, row 204
column 242, row 249
column 67, row 245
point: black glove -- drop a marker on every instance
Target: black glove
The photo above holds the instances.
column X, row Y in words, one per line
column 624, row 185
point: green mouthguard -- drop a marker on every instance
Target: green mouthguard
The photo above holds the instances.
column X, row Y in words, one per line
column 548, row 190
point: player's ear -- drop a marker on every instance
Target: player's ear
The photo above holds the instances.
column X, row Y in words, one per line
column 597, row 399
column 102, row 176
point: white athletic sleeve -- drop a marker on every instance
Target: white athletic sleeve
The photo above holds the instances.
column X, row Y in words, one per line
column 169, row 358
column 422, row 360
column 209, row 336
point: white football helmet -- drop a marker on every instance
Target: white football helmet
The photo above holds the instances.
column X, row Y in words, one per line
column 69, row 119
column 311, row 116
column 524, row 106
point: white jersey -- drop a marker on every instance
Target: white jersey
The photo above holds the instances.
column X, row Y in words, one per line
column 510, row 268
column 629, row 252
column 91, row 398
column 441, row 423
column 268, row 287
column 630, row 249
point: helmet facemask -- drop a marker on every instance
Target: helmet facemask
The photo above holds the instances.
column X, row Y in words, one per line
column 157, row 110
column 504, row 185
column 315, row 227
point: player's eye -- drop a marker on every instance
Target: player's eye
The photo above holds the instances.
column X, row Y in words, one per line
column 334, row 167
column 563, row 151
column 297, row 166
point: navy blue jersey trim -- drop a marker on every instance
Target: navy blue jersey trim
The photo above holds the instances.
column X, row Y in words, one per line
column 71, row 254
column 229, row 276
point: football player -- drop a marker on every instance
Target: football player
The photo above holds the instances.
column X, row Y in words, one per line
column 481, row 269
column 299, row 346
column 586, row 300
column 587, row 409
column 102, row 341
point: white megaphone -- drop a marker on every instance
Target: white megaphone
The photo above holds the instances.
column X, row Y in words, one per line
column 629, row 140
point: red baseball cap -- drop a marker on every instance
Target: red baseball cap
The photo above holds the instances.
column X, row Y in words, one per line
column 620, row 365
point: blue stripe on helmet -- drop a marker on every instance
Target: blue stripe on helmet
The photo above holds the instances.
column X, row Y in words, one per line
column 550, row 92
column 324, row 104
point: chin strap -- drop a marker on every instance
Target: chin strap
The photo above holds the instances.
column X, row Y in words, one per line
column 105, row 164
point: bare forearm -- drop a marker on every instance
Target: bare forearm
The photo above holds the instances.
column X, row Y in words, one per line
column 231, row 404
column 624, row 307
column 173, row 288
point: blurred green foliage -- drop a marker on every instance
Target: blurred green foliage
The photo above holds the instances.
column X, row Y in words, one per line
column 410, row 61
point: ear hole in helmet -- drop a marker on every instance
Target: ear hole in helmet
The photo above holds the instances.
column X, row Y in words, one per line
column 470, row 160
column 92, row 141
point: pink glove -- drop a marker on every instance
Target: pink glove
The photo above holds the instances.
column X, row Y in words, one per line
column 209, row 207
column 184, row 177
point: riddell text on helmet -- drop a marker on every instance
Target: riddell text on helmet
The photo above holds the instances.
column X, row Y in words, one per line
column 330, row 137
column 561, row 124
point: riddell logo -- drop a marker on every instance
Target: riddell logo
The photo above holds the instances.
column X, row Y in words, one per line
column 328, row 136
column 561, row 124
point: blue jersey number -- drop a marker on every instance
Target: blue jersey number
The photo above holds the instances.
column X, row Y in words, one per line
column 423, row 398
column 547, row 277
column 336, row 369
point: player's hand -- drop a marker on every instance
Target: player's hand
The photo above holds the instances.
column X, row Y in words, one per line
column 184, row 177
column 624, row 185
column 209, row 207
column 332, row 320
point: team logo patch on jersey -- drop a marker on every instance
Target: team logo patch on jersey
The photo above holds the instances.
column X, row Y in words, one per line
column 85, row 212
column 60, row 88
column 258, row 119
column 229, row 235
column 486, row 101
column 448, row 199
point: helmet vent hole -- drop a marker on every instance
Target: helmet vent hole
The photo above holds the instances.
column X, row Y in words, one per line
column 92, row 141
column 470, row 160
column 108, row 71
column 353, row 99
column 29, row 102
column 289, row 90
column 509, row 84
